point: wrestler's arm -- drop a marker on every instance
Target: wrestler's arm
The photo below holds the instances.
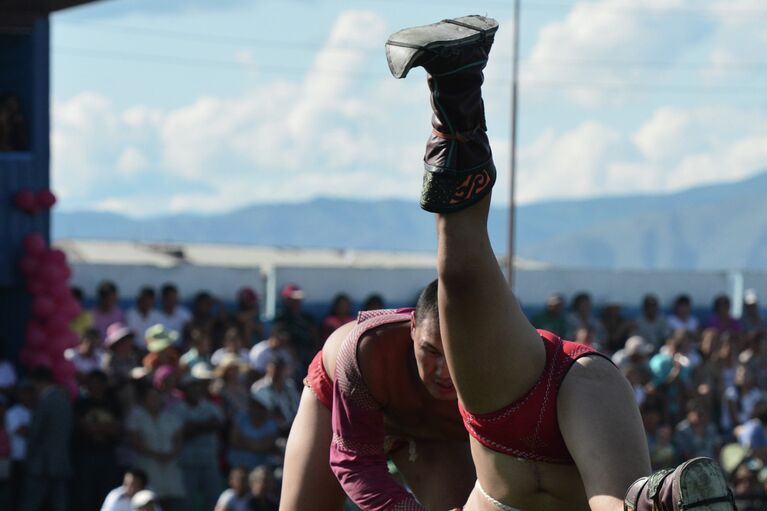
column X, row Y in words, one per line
column 357, row 455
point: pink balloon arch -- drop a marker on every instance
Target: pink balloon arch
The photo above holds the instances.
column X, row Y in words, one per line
column 46, row 273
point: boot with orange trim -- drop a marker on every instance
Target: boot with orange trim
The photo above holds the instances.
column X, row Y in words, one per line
column 459, row 168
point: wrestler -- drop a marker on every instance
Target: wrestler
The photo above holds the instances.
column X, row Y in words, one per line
column 553, row 424
column 379, row 389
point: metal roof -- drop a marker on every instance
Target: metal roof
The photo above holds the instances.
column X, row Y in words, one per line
column 243, row 256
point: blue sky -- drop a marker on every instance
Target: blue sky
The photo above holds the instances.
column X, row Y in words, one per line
column 205, row 106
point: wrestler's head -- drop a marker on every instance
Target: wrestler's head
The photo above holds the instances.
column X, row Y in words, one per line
column 429, row 353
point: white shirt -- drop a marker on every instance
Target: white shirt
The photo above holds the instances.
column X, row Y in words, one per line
column 139, row 324
column 83, row 364
column 117, row 501
column 177, row 319
column 285, row 401
column 16, row 417
column 232, row 502
column 690, row 324
column 261, row 354
column 219, row 354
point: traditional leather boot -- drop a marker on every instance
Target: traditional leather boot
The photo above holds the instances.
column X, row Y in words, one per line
column 696, row 484
column 459, row 167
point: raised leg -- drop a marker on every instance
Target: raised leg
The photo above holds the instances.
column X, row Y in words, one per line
column 307, row 481
column 493, row 352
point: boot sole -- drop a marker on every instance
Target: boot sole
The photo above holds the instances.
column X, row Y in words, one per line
column 405, row 47
column 701, row 480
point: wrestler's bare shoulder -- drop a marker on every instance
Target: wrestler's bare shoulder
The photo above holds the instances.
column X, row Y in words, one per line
column 380, row 346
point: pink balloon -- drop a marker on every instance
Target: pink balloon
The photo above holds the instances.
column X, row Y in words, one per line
column 36, row 286
column 28, row 264
column 45, row 199
column 55, row 257
column 39, row 358
column 43, row 307
column 36, row 336
column 26, row 201
column 34, row 243
column 57, row 325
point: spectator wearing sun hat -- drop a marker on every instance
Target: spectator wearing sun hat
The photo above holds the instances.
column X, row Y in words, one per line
column 160, row 342
column 202, row 420
column 120, row 357
column 301, row 325
column 752, row 319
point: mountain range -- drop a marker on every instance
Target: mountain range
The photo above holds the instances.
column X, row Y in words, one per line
column 721, row 226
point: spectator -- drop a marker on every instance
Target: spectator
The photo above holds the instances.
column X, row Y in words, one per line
column 659, row 435
column 48, row 463
column 248, row 314
column 373, row 302
column 753, row 433
column 88, row 356
column 84, row 319
column 199, row 353
column 146, row 500
column 7, row 372
column 741, row 397
column 721, row 318
column 120, row 357
column 107, row 310
column 172, row 315
column 616, row 327
column 581, row 317
column 340, row 313
column 202, row 420
column 278, row 394
column 160, row 341
column 143, row 315
column 552, row 318
column 237, row 496
column 18, row 419
column 635, row 355
column 696, row 435
column 262, row 497
column 650, row 323
column 671, row 373
column 682, row 317
column 97, row 430
column 232, row 345
column 277, row 345
column 252, row 436
column 231, row 391
column 752, row 319
column 119, row 499
column 300, row 324
column 5, row 457
column 156, row 437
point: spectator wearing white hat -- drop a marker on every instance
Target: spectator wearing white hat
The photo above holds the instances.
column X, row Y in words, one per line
column 202, row 420
column 752, row 319
column 145, row 500
column 119, row 499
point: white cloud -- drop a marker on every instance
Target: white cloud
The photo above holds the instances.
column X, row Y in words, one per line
column 585, row 51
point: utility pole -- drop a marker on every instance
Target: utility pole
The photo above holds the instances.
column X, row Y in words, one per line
column 513, row 145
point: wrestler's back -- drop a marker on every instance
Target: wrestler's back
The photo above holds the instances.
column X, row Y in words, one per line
column 388, row 367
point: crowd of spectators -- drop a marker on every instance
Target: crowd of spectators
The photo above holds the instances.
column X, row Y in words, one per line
column 700, row 382
column 189, row 408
